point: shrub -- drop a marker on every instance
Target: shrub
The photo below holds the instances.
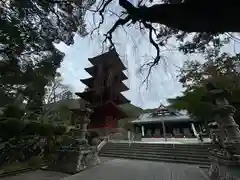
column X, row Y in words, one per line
column 13, row 111
column 32, row 128
column 10, row 128
column 46, row 130
column 60, row 130
column 35, row 161
column 50, row 129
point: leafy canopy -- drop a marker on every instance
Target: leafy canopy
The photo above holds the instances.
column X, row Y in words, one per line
column 28, row 57
column 194, row 76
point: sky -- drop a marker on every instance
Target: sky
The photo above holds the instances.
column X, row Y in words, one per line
column 134, row 49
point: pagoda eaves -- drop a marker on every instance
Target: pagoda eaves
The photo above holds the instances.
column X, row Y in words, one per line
column 91, row 71
column 90, row 81
column 94, row 98
column 110, row 57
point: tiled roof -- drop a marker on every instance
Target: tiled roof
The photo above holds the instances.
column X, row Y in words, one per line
column 162, row 113
column 146, row 118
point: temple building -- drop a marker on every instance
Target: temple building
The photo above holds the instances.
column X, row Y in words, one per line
column 103, row 92
column 165, row 122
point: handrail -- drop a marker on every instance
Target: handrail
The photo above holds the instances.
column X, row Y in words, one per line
column 194, row 130
column 132, row 140
column 102, row 143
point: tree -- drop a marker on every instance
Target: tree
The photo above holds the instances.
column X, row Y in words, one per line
column 193, row 101
column 29, row 27
column 27, row 53
column 197, row 25
column 194, row 77
column 56, row 90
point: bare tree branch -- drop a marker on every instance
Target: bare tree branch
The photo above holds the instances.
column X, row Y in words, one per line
column 119, row 22
column 100, row 9
column 157, row 58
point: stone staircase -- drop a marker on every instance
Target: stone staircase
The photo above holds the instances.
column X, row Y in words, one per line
column 176, row 153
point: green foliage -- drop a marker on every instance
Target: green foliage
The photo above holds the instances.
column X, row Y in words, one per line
column 31, row 128
column 59, row 112
column 20, row 149
column 12, row 111
column 131, row 110
column 194, row 76
column 60, row 130
column 28, row 56
column 13, row 128
column 132, row 113
column 46, row 129
column 50, row 129
column 35, row 161
column 193, row 101
column 30, row 27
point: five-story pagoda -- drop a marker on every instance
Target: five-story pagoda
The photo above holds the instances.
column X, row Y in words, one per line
column 103, row 92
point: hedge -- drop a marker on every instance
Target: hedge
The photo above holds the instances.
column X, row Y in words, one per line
column 14, row 127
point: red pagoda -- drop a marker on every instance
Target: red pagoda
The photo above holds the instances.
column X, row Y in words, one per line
column 103, row 92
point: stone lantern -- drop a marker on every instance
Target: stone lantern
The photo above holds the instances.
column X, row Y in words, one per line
column 81, row 124
column 225, row 159
column 75, row 154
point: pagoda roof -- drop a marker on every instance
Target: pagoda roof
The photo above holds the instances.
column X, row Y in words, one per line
column 108, row 109
column 92, row 97
column 110, row 57
column 91, row 71
column 89, row 83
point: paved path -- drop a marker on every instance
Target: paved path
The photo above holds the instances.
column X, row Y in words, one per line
column 37, row 175
column 44, row 175
column 123, row 169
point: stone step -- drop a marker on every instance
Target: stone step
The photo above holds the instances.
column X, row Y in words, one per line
column 169, row 156
column 185, row 154
column 146, row 149
column 185, row 161
column 190, row 154
column 163, row 145
column 150, row 146
column 158, row 146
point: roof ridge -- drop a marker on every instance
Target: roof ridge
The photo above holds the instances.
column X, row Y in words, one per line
column 168, row 108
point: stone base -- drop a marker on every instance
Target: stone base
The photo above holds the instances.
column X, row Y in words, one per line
column 224, row 166
column 223, row 172
column 75, row 160
column 232, row 146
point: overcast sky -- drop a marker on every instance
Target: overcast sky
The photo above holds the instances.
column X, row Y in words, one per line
column 134, row 49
